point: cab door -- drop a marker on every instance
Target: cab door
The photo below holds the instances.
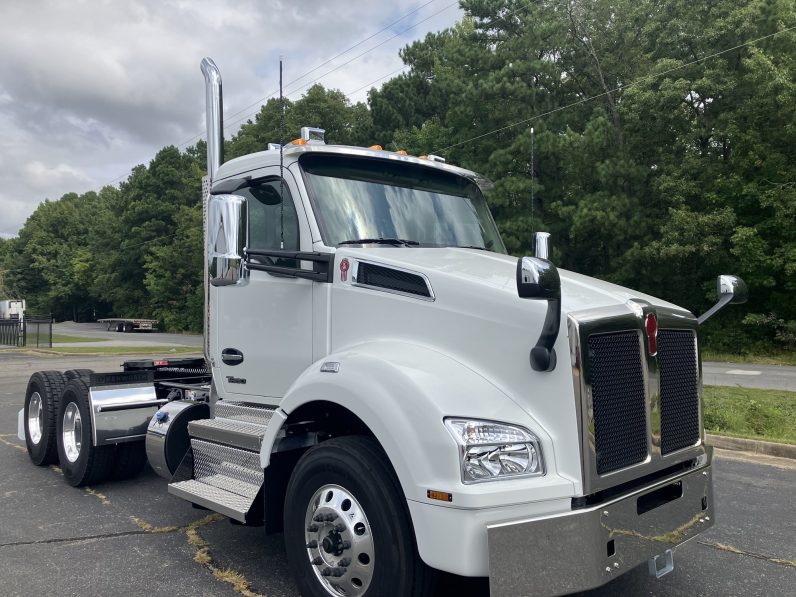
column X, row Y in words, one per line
column 264, row 327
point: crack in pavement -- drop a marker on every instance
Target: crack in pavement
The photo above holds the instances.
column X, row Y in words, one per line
column 227, row 575
column 100, row 496
column 12, row 444
column 751, row 554
column 73, row 539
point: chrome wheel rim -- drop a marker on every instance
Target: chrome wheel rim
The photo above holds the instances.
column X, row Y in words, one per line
column 35, row 418
column 339, row 542
column 73, row 432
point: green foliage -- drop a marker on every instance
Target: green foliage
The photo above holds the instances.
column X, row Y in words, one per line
column 745, row 412
column 655, row 164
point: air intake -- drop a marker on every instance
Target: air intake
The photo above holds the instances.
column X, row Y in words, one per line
column 393, row 280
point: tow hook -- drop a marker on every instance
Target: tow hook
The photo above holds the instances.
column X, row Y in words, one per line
column 662, row 564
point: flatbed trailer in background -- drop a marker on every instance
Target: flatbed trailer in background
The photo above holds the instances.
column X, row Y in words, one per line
column 124, row 324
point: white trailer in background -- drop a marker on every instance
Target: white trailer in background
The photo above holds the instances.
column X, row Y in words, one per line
column 12, row 309
column 384, row 384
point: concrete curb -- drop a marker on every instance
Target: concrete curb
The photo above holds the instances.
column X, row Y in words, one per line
column 751, row 445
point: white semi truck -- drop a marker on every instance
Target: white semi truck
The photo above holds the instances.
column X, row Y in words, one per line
column 12, row 309
column 395, row 393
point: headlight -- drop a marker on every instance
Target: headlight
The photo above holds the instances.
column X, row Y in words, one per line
column 492, row 451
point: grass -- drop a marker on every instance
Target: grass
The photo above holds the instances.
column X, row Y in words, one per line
column 100, row 350
column 62, row 338
column 751, row 413
column 773, row 358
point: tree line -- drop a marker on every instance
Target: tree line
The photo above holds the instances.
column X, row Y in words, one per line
column 654, row 140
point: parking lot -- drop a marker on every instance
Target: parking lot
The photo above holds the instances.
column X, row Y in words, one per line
column 133, row 538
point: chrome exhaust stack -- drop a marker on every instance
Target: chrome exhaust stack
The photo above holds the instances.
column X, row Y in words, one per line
column 214, row 116
column 215, row 156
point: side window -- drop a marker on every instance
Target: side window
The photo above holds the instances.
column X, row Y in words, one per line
column 269, row 223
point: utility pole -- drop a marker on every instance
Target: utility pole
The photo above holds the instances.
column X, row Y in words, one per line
column 532, row 183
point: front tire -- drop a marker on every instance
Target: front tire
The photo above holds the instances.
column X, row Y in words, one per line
column 81, row 461
column 41, row 411
column 347, row 525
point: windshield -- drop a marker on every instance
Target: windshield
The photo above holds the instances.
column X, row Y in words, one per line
column 374, row 199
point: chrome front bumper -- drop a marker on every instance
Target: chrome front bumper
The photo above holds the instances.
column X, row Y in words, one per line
column 586, row 548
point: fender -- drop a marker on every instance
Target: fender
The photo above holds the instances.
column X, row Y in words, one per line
column 402, row 392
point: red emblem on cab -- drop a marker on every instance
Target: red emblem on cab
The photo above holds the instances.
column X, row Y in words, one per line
column 651, row 325
column 344, row 265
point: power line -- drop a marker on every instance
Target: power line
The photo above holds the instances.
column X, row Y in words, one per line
column 358, row 89
column 357, row 57
column 227, row 122
column 333, row 58
column 619, row 88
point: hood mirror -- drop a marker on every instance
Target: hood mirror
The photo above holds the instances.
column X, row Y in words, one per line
column 537, row 278
column 731, row 290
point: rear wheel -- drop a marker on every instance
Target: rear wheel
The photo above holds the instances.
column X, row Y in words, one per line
column 81, row 462
column 74, row 373
column 128, row 327
column 347, row 526
column 41, row 409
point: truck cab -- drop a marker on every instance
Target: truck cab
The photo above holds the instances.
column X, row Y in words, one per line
column 399, row 396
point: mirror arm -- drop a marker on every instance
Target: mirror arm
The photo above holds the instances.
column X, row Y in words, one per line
column 543, row 355
column 724, row 300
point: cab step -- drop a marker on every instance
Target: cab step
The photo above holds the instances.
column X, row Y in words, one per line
column 213, row 498
column 225, row 450
column 229, row 432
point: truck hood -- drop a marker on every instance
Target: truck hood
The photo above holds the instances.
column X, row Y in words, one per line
column 473, row 267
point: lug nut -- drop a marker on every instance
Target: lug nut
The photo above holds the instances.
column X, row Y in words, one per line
column 326, row 572
column 345, row 562
column 318, row 518
column 339, row 528
column 330, row 517
column 345, row 544
column 338, row 572
column 317, row 561
column 312, row 544
column 313, row 528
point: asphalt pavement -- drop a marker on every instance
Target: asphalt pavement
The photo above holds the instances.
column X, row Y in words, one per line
column 133, row 538
column 748, row 375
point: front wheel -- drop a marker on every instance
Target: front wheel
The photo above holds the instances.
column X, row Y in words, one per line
column 347, row 526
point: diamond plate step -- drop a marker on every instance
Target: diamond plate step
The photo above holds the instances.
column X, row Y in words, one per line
column 214, row 459
column 242, row 411
column 239, row 434
column 212, row 497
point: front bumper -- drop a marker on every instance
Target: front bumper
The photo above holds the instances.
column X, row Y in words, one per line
column 586, row 548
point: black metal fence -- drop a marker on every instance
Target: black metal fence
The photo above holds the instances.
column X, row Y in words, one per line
column 35, row 331
column 11, row 332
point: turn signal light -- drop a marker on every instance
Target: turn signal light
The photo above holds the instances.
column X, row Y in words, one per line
column 376, row 147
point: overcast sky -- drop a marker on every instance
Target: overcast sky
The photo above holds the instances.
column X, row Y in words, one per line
column 91, row 88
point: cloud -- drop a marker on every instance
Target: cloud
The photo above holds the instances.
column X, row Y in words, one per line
column 90, row 89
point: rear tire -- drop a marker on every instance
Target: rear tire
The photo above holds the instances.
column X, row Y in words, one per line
column 75, row 373
column 128, row 327
column 346, row 524
column 43, row 394
column 130, row 460
column 81, row 461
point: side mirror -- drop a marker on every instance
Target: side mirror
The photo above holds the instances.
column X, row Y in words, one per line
column 538, row 279
column 226, row 240
column 731, row 290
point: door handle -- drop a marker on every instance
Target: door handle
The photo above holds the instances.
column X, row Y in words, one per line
column 232, row 356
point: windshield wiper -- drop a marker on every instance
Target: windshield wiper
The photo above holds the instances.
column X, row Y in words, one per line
column 398, row 242
column 470, row 247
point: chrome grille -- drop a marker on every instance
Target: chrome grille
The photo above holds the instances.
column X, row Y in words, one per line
column 679, row 388
column 618, row 400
